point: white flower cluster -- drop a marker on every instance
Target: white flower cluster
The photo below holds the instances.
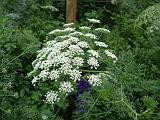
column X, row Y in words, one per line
column 34, row 80
column 114, row 57
column 83, row 44
column 95, row 80
column 90, row 35
column 69, row 29
column 57, row 31
column 102, row 30
column 78, row 61
column 66, row 87
column 63, row 60
column 76, row 34
column 101, row 44
column 52, row 8
column 54, row 75
column 52, row 97
column 93, row 53
column 84, row 28
column 94, row 20
column 68, row 25
column 75, row 74
column 93, row 62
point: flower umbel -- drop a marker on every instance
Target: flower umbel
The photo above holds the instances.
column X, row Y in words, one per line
column 102, row 30
column 67, row 60
column 108, row 53
column 52, row 97
column 95, row 80
column 101, row 44
column 90, row 35
column 93, row 62
column 54, row 75
column 66, row 87
column 94, row 20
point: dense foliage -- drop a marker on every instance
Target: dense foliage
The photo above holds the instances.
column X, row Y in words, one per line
column 131, row 92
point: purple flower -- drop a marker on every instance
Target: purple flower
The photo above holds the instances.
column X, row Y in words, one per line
column 80, row 104
column 82, row 85
column 81, row 110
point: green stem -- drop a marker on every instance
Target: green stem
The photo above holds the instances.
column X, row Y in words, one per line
column 112, row 102
column 57, row 112
column 96, row 71
column 92, row 25
column 21, row 54
column 129, row 107
column 144, row 112
column 92, row 105
column 99, row 36
column 126, row 104
column 121, row 92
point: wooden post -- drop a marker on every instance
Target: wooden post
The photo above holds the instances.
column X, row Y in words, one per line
column 71, row 6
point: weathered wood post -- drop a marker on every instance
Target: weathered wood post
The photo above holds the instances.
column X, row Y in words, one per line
column 71, row 6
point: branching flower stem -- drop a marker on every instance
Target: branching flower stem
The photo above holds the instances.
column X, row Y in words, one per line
column 127, row 105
